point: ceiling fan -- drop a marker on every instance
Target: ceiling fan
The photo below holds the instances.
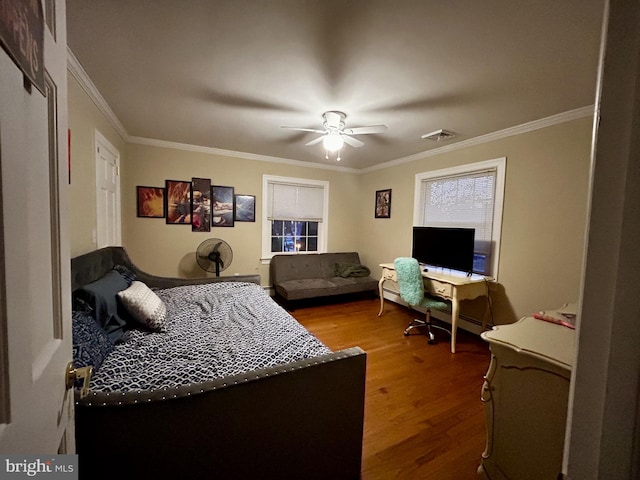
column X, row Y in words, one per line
column 334, row 135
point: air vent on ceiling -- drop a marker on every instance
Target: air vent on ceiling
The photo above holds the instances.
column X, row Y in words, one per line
column 439, row 135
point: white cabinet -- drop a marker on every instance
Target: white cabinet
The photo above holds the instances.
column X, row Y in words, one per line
column 525, row 396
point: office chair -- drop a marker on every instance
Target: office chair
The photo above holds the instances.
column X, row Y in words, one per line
column 412, row 291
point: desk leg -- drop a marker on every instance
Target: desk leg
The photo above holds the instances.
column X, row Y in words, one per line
column 381, row 294
column 455, row 307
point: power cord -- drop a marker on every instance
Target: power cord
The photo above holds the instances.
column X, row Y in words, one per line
column 489, row 303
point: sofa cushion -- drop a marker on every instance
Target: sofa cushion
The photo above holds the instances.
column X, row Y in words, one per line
column 306, row 288
column 355, row 284
column 295, row 267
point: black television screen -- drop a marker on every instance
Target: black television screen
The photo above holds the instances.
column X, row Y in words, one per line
column 444, row 247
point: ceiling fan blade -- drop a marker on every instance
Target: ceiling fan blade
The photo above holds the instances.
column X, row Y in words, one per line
column 305, row 129
column 365, row 130
column 354, row 142
column 314, row 141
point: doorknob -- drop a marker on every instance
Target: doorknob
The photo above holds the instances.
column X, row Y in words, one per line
column 72, row 374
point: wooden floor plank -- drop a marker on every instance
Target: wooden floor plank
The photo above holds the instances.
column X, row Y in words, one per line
column 423, row 414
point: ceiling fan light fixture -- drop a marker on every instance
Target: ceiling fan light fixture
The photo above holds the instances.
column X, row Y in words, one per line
column 327, row 155
column 333, row 142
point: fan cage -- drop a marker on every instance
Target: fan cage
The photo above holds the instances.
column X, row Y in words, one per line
column 214, row 255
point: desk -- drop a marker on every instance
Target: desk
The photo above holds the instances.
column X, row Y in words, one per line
column 450, row 287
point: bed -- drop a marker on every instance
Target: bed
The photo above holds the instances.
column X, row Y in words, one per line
column 226, row 385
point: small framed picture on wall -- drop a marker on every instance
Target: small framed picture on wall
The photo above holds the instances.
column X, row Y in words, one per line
column 245, row 210
column 383, row 204
column 150, row 202
column 222, row 200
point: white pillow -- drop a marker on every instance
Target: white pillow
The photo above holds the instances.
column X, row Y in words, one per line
column 145, row 306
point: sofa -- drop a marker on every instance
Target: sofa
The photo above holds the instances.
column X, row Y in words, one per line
column 306, row 276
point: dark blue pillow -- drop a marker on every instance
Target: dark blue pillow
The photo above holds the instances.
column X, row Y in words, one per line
column 107, row 311
column 128, row 275
column 91, row 345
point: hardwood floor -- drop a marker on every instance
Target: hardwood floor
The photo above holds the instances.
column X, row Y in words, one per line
column 423, row 415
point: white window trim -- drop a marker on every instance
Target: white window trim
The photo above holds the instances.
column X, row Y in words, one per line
column 323, row 227
column 500, row 165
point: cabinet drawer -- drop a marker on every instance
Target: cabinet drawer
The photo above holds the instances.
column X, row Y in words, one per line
column 389, row 274
column 439, row 288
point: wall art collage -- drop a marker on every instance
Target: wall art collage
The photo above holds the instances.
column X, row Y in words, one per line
column 196, row 203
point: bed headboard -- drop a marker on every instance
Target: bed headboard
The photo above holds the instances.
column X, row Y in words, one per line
column 94, row 265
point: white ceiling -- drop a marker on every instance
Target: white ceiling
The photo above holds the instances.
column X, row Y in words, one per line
column 227, row 74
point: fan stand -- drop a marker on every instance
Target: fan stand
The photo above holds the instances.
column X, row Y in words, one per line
column 215, row 258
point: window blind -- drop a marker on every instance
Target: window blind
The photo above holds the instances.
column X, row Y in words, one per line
column 465, row 201
column 295, row 202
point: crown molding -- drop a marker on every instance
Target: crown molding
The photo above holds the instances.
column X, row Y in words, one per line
column 77, row 71
column 232, row 153
column 490, row 137
column 75, row 68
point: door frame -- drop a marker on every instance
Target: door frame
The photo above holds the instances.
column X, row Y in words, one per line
column 100, row 141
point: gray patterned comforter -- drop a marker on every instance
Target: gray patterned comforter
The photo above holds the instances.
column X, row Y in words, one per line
column 213, row 331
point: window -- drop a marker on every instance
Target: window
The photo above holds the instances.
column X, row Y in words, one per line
column 293, row 236
column 469, row 196
column 294, row 215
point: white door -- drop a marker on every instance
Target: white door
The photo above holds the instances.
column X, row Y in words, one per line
column 107, row 192
column 36, row 410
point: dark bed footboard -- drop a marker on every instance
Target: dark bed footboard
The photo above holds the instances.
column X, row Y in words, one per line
column 302, row 420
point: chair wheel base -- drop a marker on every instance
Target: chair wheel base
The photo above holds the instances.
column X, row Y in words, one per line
column 431, row 339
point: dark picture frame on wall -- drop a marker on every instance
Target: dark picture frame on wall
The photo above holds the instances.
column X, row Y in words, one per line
column 178, row 202
column 222, row 206
column 383, row 203
column 150, row 202
column 245, row 208
column 200, row 204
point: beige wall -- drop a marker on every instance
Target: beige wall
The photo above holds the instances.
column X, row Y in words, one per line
column 545, row 208
column 543, row 223
column 170, row 249
column 84, row 119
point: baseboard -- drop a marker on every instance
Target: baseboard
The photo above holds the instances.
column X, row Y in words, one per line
column 468, row 324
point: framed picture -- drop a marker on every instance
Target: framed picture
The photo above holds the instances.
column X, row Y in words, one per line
column 200, row 205
column 383, row 203
column 150, row 202
column 245, row 209
column 222, row 202
column 178, row 202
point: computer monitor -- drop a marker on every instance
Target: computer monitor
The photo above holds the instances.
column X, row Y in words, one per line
column 446, row 247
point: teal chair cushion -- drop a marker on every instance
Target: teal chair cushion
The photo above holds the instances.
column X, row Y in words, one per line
column 411, row 284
